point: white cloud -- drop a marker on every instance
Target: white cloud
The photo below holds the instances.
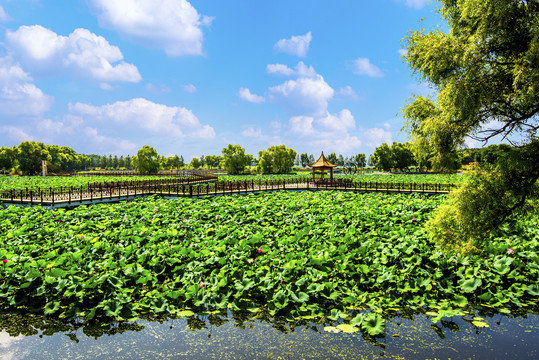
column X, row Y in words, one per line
column 344, row 143
column 347, row 93
column 246, row 95
column 296, row 45
column 251, row 132
column 102, row 143
column 363, row 66
column 374, row 137
column 301, row 70
column 3, row 16
column 16, row 133
column 403, row 52
column 342, row 121
column 279, row 69
column 417, row 4
column 18, row 96
column 82, row 54
column 190, row 88
column 149, row 117
column 172, row 25
column 302, row 125
column 304, row 96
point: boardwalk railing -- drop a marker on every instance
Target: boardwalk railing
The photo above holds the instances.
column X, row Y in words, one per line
column 201, row 186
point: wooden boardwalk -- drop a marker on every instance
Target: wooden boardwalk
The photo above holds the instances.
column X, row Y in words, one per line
column 108, row 192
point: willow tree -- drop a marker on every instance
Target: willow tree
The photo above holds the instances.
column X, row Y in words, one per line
column 485, row 69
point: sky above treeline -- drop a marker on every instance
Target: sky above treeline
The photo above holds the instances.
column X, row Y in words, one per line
column 191, row 77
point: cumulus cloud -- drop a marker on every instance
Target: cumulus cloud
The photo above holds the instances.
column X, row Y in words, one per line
column 246, row 95
column 363, row 66
column 251, row 132
column 301, row 70
column 342, row 121
column 302, row 125
column 172, row 25
column 142, row 114
column 374, row 137
column 82, row 53
column 18, row 96
column 303, row 96
column 296, row 45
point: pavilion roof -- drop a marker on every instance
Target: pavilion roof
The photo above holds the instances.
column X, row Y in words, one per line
column 322, row 162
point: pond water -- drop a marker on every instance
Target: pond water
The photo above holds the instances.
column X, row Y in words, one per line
column 247, row 337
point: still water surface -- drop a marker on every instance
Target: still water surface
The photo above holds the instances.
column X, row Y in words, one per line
column 223, row 337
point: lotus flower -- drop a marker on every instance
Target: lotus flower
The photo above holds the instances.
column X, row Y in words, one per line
column 4, row 261
column 260, row 251
column 509, row 251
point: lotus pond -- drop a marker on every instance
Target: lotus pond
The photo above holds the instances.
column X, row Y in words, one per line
column 334, row 261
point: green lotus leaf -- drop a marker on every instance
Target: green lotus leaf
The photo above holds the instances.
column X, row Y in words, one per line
column 480, row 324
column 470, row 285
column 347, row 328
column 373, row 324
column 184, row 313
column 331, row 329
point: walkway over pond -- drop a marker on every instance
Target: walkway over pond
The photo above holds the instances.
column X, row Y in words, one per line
column 195, row 187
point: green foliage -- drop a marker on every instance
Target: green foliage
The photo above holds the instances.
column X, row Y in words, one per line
column 492, row 154
column 485, row 72
column 213, row 161
column 195, row 163
column 396, row 156
column 434, row 139
column 277, row 159
column 172, row 162
column 480, row 206
column 293, row 254
column 8, row 157
column 146, row 161
column 30, row 157
column 304, row 160
column 332, row 158
column 235, row 160
column 354, row 163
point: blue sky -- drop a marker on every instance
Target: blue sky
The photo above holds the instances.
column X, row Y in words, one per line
column 191, row 77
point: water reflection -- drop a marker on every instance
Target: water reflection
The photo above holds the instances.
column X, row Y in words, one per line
column 257, row 335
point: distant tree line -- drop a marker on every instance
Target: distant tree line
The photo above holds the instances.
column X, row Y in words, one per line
column 404, row 156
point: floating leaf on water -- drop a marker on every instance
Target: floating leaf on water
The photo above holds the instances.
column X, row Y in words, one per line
column 431, row 313
column 331, row 329
column 185, row 313
column 480, row 324
column 373, row 324
column 347, row 328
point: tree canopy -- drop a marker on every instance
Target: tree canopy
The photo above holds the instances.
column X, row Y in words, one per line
column 396, row 156
column 276, row 160
column 146, row 161
column 485, row 70
column 235, row 160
